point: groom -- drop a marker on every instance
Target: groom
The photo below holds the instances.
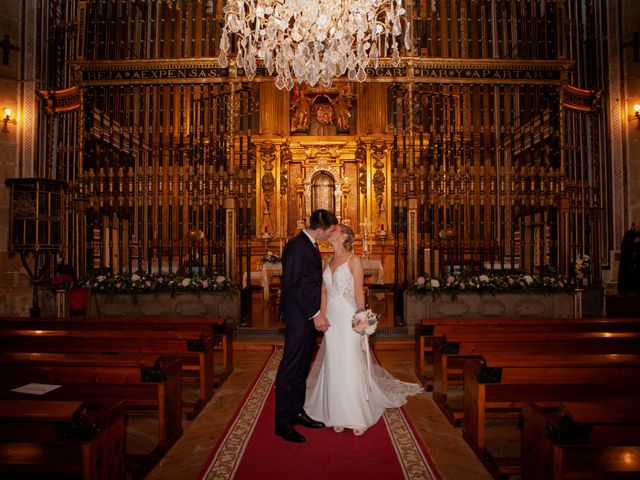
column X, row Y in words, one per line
column 300, row 311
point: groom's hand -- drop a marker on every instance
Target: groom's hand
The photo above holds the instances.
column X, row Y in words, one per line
column 321, row 323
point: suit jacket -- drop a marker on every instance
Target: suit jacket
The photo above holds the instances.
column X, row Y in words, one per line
column 301, row 280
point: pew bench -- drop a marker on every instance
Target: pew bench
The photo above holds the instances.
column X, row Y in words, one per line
column 596, row 439
column 449, row 353
column 39, row 438
column 216, row 326
column 435, row 327
column 507, row 381
column 194, row 351
column 144, row 382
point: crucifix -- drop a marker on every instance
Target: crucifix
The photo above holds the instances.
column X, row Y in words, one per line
column 635, row 43
column 7, row 46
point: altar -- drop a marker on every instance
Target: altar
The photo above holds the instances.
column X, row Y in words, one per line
column 271, row 273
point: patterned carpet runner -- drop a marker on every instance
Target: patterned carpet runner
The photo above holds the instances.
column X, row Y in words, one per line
column 250, row 450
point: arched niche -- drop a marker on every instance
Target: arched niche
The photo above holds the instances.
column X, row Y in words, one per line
column 323, row 187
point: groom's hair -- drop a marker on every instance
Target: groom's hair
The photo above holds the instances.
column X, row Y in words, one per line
column 322, row 218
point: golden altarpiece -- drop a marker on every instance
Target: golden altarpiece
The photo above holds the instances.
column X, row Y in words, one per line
column 483, row 149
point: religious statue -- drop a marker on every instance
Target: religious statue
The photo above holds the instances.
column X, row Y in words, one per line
column 629, row 269
column 301, row 110
column 321, row 110
column 342, row 105
column 324, row 113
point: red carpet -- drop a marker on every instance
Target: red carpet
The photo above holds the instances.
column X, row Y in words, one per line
column 250, row 450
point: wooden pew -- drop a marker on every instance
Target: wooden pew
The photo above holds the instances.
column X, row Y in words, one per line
column 143, row 381
column 456, row 347
column 596, row 439
column 193, row 350
column 433, row 327
column 216, row 326
column 512, row 379
column 62, row 437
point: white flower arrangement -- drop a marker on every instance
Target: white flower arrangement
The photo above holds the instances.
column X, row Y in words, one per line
column 270, row 257
column 545, row 282
column 582, row 268
column 141, row 282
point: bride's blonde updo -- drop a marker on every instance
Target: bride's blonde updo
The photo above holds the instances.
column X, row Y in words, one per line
column 348, row 242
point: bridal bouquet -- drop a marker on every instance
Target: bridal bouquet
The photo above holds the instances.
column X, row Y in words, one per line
column 364, row 321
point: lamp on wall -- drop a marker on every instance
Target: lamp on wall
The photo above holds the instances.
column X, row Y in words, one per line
column 6, row 119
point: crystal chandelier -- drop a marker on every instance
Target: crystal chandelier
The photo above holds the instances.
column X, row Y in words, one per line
column 313, row 40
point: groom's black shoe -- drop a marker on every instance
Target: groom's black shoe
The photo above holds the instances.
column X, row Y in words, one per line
column 288, row 433
column 306, row 421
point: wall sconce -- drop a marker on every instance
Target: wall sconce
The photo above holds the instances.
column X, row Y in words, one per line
column 7, row 119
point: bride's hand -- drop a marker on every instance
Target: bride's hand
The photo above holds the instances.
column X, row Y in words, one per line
column 321, row 323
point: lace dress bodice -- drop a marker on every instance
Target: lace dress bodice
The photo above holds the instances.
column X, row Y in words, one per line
column 340, row 284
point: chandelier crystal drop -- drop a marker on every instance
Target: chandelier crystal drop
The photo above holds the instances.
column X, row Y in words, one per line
column 313, row 40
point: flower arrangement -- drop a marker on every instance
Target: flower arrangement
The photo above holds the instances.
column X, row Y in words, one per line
column 141, row 282
column 582, row 269
column 545, row 282
column 271, row 257
column 364, row 321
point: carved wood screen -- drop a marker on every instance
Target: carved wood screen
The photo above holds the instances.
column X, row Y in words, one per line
column 159, row 162
column 482, row 165
column 489, row 159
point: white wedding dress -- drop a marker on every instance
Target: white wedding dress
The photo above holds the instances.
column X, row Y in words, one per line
column 346, row 387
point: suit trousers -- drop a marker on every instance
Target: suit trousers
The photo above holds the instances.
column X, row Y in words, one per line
column 291, row 379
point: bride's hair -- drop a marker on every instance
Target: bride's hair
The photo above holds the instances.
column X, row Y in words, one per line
column 348, row 242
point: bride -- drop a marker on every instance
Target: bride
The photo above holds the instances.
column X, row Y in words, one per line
column 345, row 387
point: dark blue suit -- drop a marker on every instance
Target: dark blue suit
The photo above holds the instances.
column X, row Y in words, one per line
column 299, row 301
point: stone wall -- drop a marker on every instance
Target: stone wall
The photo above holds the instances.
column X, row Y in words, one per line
column 15, row 288
column 556, row 305
column 207, row 304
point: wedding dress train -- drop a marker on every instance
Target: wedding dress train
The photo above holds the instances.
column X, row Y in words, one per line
column 346, row 387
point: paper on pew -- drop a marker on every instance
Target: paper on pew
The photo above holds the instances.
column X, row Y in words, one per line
column 36, row 388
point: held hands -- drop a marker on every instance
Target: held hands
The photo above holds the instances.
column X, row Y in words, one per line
column 321, row 322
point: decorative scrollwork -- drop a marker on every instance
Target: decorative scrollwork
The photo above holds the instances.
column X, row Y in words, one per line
column 268, row 181
column 378, row 152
